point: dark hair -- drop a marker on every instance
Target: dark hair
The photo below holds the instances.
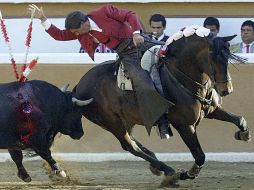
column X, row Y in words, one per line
column 74, row 19
column 248, row 23
column 158, row 18
column 212, row 21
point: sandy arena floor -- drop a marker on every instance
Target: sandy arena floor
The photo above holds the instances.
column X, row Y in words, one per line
column 123, row 175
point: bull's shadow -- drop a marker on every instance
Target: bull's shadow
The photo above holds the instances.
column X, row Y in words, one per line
column 31, row 114
column 193, row 67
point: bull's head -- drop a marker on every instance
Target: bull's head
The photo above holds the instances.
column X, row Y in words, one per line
column 72, row 124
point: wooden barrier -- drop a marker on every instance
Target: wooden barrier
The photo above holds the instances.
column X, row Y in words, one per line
column 214, row 136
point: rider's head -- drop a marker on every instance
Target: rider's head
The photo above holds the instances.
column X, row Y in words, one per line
column 77, row 22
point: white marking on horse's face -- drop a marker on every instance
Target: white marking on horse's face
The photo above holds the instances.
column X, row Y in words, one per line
column 216, row 97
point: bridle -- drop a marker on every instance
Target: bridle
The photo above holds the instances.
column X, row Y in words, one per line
column 204, row 86
column 202, row 99
column 214, row 55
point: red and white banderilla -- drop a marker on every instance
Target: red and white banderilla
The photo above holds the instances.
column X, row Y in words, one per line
column 7, row 41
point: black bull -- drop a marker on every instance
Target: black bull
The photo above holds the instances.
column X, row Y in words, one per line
column 31, row 114
column 194, row 63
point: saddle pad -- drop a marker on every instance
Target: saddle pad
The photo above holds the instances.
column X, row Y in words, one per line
column 149, row 58
column 123, row 82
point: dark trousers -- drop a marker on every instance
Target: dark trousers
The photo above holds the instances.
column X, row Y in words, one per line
column 151, row 104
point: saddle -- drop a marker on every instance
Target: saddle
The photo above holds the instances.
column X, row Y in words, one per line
column 148, row 61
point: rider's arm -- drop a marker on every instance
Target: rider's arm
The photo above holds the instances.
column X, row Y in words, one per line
column 53, row 31
column 130, row 17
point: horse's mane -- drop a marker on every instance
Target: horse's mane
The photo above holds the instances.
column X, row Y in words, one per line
column 179, row 40
column 219, row 44
column 222, row 47
column 177, row 50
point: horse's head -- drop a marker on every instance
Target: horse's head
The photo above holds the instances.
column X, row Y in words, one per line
column 220, row 56
column 200, row 57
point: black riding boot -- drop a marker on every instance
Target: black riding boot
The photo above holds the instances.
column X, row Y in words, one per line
column 164, row 128
column 163, row 123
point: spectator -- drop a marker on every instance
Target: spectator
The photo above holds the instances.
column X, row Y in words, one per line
column 213, row 24
column 158, row 25
column 247, row 35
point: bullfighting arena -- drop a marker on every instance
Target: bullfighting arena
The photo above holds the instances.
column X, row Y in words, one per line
column 123, row 175
column 99, row 172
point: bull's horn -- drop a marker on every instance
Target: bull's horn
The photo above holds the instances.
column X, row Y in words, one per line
column 82, row 102
column 63, row 89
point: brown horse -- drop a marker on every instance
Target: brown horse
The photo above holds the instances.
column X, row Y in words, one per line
column 192, row 68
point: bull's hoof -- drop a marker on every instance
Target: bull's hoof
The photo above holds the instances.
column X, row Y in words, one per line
column 155, row 171
column 24, row 176
column 171, row 180
column 60, row 173
column 243, row 135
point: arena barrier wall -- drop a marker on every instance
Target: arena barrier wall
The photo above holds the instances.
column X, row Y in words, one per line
column 214, row 136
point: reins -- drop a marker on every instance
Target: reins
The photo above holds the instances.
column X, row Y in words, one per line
column 192, row 80
column 202, row 100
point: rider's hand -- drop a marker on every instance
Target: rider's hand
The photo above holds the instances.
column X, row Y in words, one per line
column 38, row 12
column 138, row 39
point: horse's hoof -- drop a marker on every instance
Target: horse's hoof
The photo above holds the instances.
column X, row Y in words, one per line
column 155, row 171
column 185, row 175
column 243, row 135
column 25, row 177
column 170, row 180
column 60, row 173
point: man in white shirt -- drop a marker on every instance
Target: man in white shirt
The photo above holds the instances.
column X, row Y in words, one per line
column 157, row 26
column 247, row 35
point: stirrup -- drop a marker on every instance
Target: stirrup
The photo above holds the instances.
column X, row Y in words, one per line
column 164, row 136
column 163, row 133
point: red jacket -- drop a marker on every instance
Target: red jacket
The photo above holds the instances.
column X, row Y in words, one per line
column 117, row 23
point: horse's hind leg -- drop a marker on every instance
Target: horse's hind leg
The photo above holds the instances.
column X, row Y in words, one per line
column 154, row 170
column 220, row 114
column 17, row 157
column 131, row 146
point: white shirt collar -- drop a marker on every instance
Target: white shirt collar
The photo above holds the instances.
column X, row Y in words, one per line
column 244, row 44
column 161, row 37
column 94, row 26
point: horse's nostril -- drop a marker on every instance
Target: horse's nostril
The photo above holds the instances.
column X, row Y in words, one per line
column 225, row 93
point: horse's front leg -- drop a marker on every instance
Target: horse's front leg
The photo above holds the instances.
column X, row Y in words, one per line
column 191, row 140
column 220, row 114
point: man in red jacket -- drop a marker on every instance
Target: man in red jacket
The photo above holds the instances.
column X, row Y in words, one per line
column 120, row 30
